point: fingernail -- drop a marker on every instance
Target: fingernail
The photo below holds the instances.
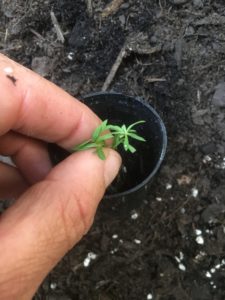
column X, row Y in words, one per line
column 112, row 166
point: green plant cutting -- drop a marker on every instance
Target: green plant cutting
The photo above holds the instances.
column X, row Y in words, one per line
column 120, row 135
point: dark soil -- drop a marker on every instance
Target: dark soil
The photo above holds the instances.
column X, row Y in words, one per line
column 175, row 247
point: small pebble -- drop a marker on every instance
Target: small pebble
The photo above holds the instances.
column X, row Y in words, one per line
column 137, row 241
column 91, row 256
column 182, row 267
column 149, row 296
column 206, row 159
column 177, row 259
column 124, row 169
column 183, row 210
column 134, row 216
column 86, row 262
column 159, row 199
column 218, row 266
column 198, row 231
column 53, row 285
column 213, row 270
column 70, row 55
column 222, row 165
column 115, row 236
column 200, row 256
column 181, row 255
column 199, row 240
column 208, row 274
column 194, row 192
column 168, row 186
column 114, row 251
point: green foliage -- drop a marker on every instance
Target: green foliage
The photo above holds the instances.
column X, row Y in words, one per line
column 119, row 135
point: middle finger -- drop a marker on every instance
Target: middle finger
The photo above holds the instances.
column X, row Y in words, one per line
column 30, row 155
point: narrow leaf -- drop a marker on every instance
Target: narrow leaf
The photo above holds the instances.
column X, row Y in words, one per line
column 105, row 137
column 124, row 128
column 115, row 128
column 126, row 143
column 131, row 149
column 97, row 132
column 136, row 137
column 85, row 146
column 134, row 124
column 80, row 146
column 100, row 153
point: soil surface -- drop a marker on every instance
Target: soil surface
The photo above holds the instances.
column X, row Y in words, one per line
column 173, row 245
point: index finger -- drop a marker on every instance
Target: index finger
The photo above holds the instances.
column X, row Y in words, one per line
column 35, row 107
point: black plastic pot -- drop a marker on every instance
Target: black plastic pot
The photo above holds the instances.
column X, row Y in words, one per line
column 131, row 186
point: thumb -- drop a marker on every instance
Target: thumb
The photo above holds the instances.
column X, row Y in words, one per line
column 49, row 219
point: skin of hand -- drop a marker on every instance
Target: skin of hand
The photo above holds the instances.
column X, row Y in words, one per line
column 54, row 207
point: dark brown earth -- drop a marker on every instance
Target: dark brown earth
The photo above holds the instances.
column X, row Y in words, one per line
column 175, row 248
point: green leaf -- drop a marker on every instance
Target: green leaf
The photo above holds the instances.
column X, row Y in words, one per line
column 96, row 133
column 131, row 149
column 134, row 124
column 115, row 128
column 99, row 130
column 126, row 143
column 81, row 146
column 124, row 128
column 116, row 142
column 119, row 134
column 85, row 146
column 101, row 154
column 136, row 137
column 107, row 136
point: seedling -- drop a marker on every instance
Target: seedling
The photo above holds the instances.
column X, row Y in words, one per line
column 119, row 135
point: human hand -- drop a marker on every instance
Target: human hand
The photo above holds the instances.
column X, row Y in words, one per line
column 55, row 206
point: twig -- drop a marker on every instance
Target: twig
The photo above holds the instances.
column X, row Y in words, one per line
column 130, row 46
column 89, row 7
column 154, row 79
column 6, row 35
column 38, row 35
column 57, row 28
column 115, row 67
column 111, row 8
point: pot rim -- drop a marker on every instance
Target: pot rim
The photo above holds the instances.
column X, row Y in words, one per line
column 164, row 141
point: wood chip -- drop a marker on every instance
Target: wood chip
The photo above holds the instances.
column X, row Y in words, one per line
column 111, row 8
column 154, row 79
column 57, row 28
column 89, row 7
